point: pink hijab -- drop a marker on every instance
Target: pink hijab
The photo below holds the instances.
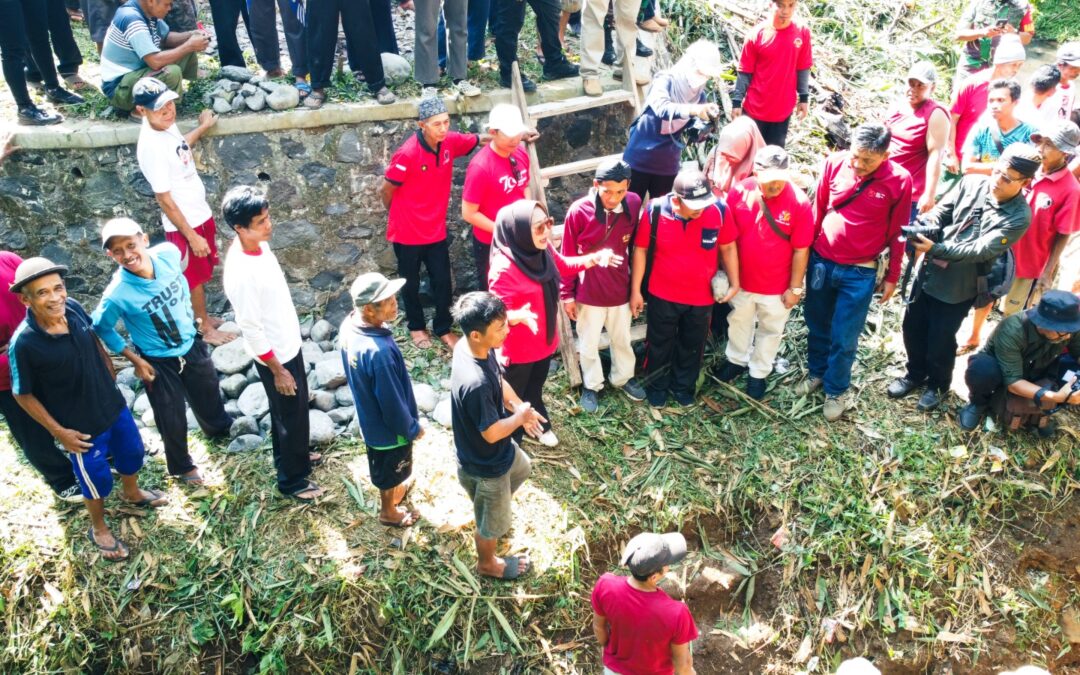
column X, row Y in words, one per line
column 739, row 139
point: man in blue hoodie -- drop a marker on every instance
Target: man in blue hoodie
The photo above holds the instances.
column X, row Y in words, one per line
column 150, row 294
column 382, row 392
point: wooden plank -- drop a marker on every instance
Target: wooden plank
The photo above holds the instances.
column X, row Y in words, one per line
column 579, row 103
column 571, row 168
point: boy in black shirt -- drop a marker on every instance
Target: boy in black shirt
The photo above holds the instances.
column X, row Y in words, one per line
column 485, row 412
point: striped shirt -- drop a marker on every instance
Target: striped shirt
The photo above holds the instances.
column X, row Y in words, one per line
column 131, row 36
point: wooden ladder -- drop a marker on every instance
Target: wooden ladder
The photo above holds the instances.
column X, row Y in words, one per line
column 540, row 176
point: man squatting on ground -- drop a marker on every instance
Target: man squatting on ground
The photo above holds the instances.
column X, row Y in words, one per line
column 382, row 392
column 259, row 294
column 56, row 360
column 485, row 414
column 149, row 294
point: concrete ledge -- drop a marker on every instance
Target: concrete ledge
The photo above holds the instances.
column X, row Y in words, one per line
column 89, row 134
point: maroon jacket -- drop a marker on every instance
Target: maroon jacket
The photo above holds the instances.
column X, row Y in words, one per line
column 584, row 234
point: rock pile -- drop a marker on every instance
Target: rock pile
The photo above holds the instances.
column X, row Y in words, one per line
column 240, row 90
column 331, row 415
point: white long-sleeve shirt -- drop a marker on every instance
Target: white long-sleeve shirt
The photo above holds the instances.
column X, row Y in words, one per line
column 256, row 287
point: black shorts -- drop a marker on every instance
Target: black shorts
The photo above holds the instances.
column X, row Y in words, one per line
column 390, row 468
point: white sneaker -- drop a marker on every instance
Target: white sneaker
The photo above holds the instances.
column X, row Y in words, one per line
column 429, row 92
column 467, row 88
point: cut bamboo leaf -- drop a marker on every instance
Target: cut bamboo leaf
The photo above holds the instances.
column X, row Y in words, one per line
column 444, row 625
column 505, row 625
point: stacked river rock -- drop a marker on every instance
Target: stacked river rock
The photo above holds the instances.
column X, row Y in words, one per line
column 239, row 90
column 331, row 413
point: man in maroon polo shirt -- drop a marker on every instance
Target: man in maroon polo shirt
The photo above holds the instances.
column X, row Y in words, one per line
column 863, row 199
column 599, row 297
column 416, row 190
column 692, row 231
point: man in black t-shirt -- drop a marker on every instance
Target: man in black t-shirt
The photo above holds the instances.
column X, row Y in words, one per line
column 486, row 412
column 62, row 378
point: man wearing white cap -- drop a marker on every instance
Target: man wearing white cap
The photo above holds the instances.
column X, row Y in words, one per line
column 920, row 132
column 497, row 175
column 984, row 26
column 167, row 163
column 1068, row 62
column 149, row 294
column 641, row 628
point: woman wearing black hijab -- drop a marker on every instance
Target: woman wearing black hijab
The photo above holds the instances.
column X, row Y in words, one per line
column 525, row 273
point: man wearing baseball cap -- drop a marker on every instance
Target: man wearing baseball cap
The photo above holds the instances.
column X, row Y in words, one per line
column 166, row 161
column 149, row 294
column 678, row 247
column 62, row 378
column 1068, row 62
column 382, row 391
column 1024, row 359
column 920, row 132
column 416, row 191
column 775, row 225
column 641, row 629
column 498, row 175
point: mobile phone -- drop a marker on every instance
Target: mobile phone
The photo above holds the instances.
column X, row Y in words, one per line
column 1002, row 22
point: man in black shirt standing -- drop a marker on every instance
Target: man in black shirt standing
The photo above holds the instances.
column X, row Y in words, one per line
column 485, row 413
column 62, row 378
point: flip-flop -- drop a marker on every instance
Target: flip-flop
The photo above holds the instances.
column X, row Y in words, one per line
column 422, row 343
column 512, row 570
column 118, row 546
column 304, row 88
column 408, row 520
column 315, row 459
column 304, row 500
column 197, row 479
column 142, row 503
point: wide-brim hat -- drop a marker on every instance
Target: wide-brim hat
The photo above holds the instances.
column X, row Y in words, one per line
column 35, row 268
column 1058, row 311
column 372, row 287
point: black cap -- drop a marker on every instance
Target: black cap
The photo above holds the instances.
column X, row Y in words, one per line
column 693, row 190
column 1058, row 311
column 649, row 552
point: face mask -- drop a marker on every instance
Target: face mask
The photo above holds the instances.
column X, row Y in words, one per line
column 696, row 80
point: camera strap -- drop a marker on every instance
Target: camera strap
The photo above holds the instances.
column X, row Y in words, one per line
column 769, row 216
column 850, row 198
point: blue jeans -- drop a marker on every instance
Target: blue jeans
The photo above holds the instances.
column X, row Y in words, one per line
column 837, row 300
column 479, row 13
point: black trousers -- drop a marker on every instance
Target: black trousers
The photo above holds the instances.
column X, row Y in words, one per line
column 382, row 15
column 436, row 258
column 190, row 377
column 527, row 380
column 930, row 327
column 675, row 339
column 361, row 43
column 774, row 133
column 63, row 43
column 509, row 20
column 984, row 379
column 37, row 444
column 482, row 257
column 289, row 426
column 227, row 15
column 25, row 23
column 656, row 185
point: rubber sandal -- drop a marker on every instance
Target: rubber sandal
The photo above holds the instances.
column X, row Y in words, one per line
column 421, row 341
column 197, row 479
column 304, row 88
column 512, row 570
column 307, row 488
column 408, row 520
column 149, row 502
column 314, row 100
column 76, row 83
column 119, row 545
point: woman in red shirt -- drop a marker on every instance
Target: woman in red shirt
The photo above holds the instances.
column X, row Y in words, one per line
column 525, row 273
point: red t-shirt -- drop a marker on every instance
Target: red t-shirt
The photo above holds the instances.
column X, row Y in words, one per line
column 12, row 313
column 970, row 104
column 1055, row 209
column 687, row 252
column 862, row 229
column 509, row 284
column 423, row 176
column 765, row 258
column 909, row 131
column 643, row 626
column 772, row 57
column 492, row 182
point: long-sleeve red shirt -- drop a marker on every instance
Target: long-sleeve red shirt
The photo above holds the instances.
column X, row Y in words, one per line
column 584, row 234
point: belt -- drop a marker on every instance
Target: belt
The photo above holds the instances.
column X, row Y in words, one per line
column 869, row 264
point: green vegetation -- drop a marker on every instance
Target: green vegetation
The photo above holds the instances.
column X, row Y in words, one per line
column 1057, row 20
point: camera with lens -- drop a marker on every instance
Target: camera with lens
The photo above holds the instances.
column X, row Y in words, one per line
column 921, row 227
column 699, row 130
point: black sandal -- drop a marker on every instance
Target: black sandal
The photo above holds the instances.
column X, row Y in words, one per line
column 308, row 487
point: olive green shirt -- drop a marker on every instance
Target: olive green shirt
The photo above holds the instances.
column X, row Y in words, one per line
column 1022, row 352
column 984, row 14
column 952, row 271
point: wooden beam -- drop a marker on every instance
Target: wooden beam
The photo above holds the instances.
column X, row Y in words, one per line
column 571, row 168
column 579, row 103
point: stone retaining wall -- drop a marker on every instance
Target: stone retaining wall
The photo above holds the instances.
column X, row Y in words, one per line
column 323, row 185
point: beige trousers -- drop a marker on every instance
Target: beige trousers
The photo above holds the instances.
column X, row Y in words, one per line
column 756, row 347
column 592, row 31
column 590, row 322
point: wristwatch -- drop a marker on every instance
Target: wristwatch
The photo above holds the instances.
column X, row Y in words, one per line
column 1039, row 396
column 797, row 291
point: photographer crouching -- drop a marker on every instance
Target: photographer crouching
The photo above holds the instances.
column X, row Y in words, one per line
column 1023, row 370
column 968, row 230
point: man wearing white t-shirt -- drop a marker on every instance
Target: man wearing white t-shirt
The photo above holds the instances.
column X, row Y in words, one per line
column 167, row 164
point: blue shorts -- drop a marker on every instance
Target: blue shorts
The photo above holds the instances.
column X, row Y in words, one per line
column 123, row 443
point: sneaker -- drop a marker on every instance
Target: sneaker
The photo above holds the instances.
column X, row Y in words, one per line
column 61, row 96
column 527, row 85
column 808, row 386
column 608, row 59
column 560, row 70
column 728, row 371
column 755, row 387
column 590, row 400
column 657, row 398
column 633, row 390
column 970, row 416
column 684, row 398
column 467, row 88
column 592, row 86
column 901, row 387
column 72, row 495
column 836, row 405
column 385, row 96
column 429, row 91
column 930, row 399
column 34, row 116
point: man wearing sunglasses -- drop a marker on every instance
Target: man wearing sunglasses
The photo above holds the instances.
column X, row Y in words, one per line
column 978, row 222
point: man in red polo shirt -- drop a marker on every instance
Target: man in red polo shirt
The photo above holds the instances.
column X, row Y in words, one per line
column 416, row 190
column 863, row 199
column 692, row 231
column 776, row 227
column 497, row 175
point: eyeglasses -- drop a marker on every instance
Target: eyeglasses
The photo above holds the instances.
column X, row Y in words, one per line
column 1000, row 174
column 514, row 169
column 542, row 225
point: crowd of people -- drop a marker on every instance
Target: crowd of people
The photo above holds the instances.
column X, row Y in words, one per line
column 978, row 199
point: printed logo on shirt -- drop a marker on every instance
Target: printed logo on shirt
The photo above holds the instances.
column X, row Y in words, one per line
column 509, row 184
column 1043, row 201
column 798, row 43
column 878, row 195
column 785, row 217
column 183, row 152
column 159, row 309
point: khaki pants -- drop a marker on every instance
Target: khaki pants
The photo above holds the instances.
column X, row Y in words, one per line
column 1016, row 300
column 756, row 348
column 591, row 320
column 592, row 31
column 173, row 75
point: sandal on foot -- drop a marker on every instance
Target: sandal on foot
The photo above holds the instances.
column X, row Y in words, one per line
column 421, row 339
column 76, row 83
column 295, row 494
column 156, row 500
column 194, row 479
column 385, row 96
column 117, row 546
column 304, row 88
column 512, row 570
column 314, row 100
column 315, row 458
column 408, row 520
